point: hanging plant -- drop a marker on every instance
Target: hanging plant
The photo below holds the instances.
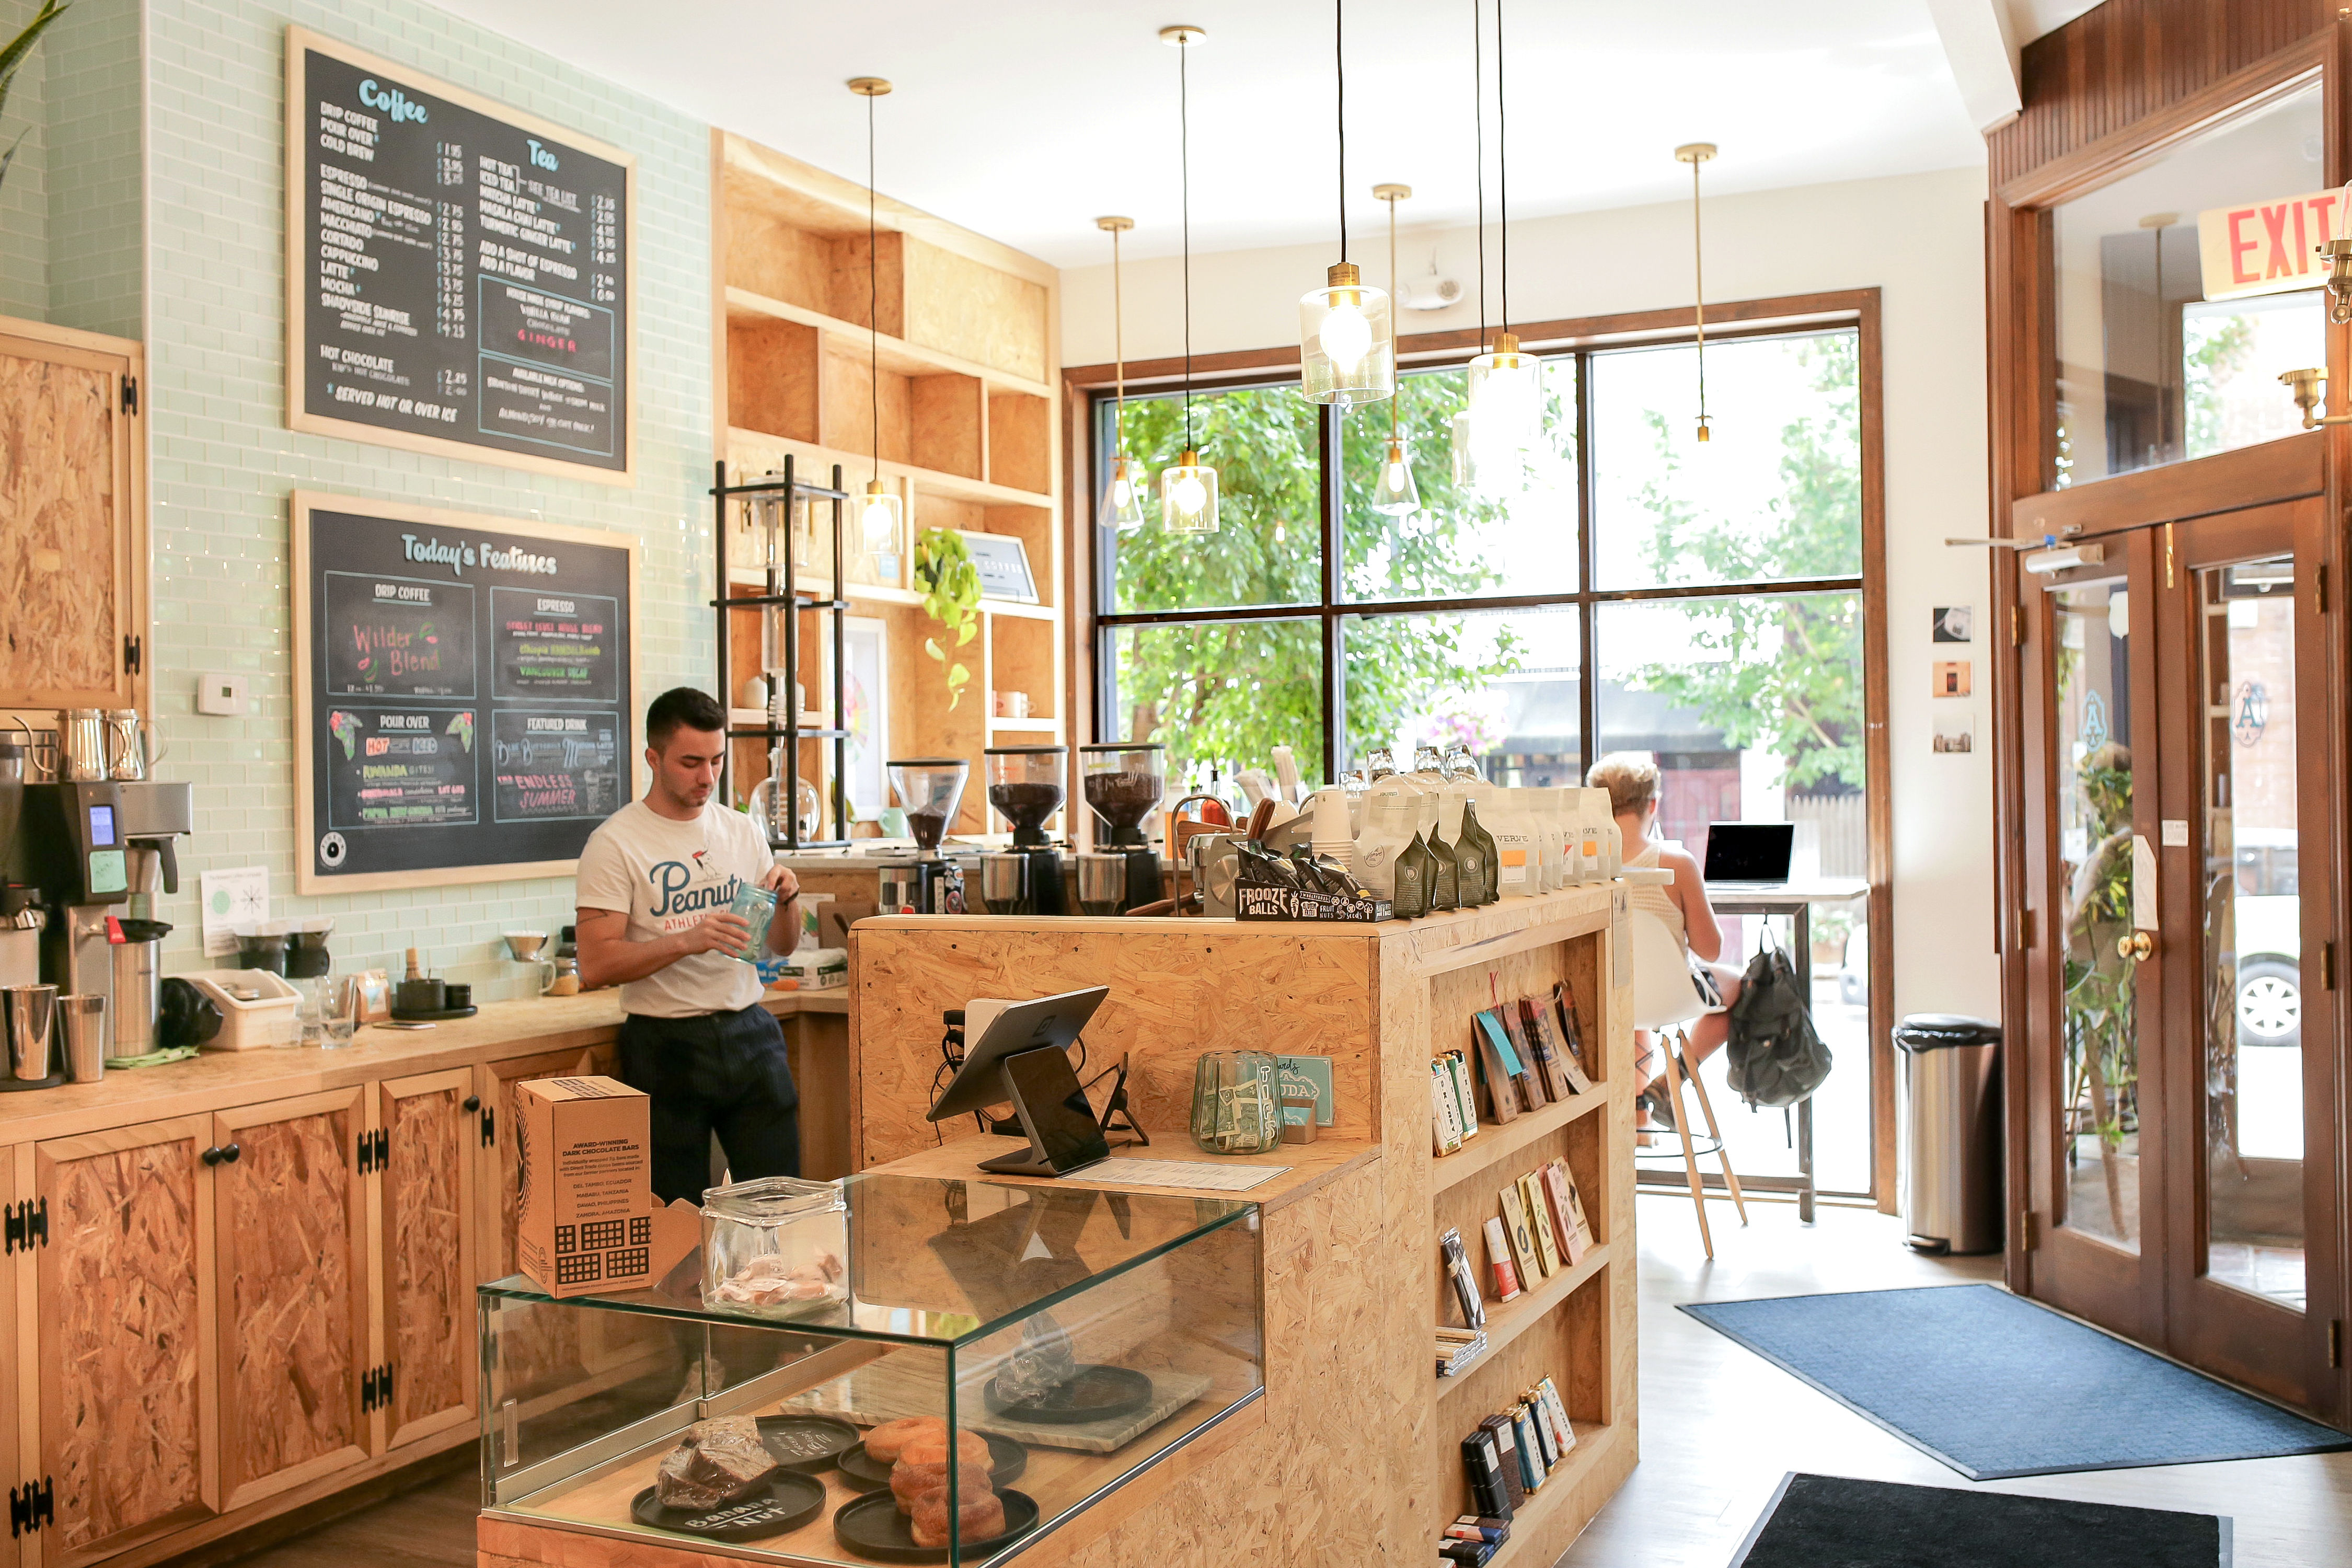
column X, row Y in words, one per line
column 951, row 585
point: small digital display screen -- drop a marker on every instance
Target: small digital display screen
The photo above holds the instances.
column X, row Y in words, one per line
column 1046, row 1087
column 101, row 826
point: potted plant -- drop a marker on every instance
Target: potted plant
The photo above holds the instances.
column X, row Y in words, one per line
column 951, row 585
column 13, row 57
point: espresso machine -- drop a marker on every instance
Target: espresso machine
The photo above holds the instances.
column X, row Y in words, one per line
column 932, row 790
column 1124, row 783
column 1027, row 784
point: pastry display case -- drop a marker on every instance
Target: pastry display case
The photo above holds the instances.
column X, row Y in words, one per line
column 975, row 1365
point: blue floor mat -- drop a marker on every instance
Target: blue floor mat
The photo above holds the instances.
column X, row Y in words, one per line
column 1996, row 1385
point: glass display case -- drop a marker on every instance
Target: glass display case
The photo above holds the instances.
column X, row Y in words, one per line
column 997, row 1358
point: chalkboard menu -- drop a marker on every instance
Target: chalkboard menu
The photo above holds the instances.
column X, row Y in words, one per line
column 457, row 273
column 466, row 698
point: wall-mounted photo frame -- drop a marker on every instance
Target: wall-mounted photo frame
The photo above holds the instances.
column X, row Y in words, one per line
column 1003, row 562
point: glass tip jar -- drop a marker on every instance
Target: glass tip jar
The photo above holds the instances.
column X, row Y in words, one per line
column 775, row 1247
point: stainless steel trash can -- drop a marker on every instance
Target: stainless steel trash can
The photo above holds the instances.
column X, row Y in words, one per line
column 1951, row 1132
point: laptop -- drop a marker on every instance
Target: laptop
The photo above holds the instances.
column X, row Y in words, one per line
column 1748, row 853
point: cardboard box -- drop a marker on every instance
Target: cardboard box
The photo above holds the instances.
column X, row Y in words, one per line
column 585, row 1221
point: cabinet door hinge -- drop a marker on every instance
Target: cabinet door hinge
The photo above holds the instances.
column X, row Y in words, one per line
column 31, row 1506
column 383, row 1149
column 131, row 394
column 2335, row 1341
column 133, row 654
column 375, row 1387
column 489, row 1128
column 2029, row 1227
column 2319, row 588
column 364, row 1155
column 2017, row 625
column 367, row 1390
column 2327, row 966
column 2025, row 928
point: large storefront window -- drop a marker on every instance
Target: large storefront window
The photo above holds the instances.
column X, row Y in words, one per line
column 1635, row 592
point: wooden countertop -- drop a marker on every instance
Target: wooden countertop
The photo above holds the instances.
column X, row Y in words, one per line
column 1308, row 1167
column 214, row 1081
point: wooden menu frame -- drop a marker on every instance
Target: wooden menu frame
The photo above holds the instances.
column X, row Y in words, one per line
column 301, row 40
column 300, row 505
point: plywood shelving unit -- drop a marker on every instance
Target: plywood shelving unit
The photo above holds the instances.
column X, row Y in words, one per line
column 969, row 437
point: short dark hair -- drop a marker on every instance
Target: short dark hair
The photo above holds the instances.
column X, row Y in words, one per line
column 681, row 708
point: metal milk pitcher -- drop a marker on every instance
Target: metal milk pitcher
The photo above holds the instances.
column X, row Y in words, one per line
column 130, row 750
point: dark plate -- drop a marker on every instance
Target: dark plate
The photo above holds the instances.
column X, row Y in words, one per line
column 436, row 1015
column 873, row 1527
column 806, row 1443
column 792, row 1501
column 1006, row 1460
column 1093, row 1394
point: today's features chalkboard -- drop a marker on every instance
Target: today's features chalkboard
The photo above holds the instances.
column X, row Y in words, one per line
column 457, row 272
column 465, row 693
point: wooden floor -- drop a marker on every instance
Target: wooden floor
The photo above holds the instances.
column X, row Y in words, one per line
column 1719, row 1425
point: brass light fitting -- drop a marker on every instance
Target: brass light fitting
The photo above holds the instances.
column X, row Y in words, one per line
column 2310, row 386
column 2339, row 279
column 1694, row 154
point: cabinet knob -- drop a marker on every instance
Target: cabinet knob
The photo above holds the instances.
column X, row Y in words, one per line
column 210, row 1156
column 230, row 1152
column 473, row 1102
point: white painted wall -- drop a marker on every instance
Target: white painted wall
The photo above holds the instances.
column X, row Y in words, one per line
column 1920, row 240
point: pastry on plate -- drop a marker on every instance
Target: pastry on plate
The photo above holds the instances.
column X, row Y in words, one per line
column 969, row 1445
column 978, row 1517
column 884, row 1443
column 716, row 1462
column 911, row 1483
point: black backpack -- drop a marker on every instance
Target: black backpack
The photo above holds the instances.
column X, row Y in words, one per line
column 1773, row 1057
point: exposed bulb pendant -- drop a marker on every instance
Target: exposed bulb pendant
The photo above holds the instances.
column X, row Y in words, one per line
column 881, row 513
column 1503, row 419
column 1394, row 491
column 1347, row 335
column 1694, row 154
column 1122, row 497
column 1188, row 492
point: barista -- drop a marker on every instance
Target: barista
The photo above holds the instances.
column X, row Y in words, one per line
column 655, row 883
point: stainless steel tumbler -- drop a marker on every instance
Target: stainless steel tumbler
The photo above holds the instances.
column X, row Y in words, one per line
column 29, row 1009
column 83, row 1020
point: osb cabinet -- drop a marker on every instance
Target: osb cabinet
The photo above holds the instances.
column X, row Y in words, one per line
column 209, row 1318
column 73, row 533
column 953, row 406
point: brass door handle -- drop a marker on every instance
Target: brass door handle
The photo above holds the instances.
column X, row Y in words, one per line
column 2136, row 947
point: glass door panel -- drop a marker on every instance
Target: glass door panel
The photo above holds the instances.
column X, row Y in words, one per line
column 2098, row 1100
column 2253, row 980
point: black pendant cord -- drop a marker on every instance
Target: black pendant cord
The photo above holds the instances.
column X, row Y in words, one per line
column 1479, row 130
column 873, row 298
column 1185, row 178
column 1503, row 164
column 1339, row 54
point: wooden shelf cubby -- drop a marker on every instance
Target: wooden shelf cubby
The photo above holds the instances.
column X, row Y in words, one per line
column 958, row 356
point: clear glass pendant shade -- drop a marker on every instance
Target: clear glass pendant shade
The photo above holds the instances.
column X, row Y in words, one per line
column 1122, row 504
column 1347, row 340
column 879, row 515
column 1504, row 420
column 1188, row 496
column 1393, row 491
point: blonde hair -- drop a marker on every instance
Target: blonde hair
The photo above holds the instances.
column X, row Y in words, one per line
column 1630, row 777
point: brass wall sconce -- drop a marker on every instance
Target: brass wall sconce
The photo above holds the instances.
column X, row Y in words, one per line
column 2310, row 386
column 2339, row 279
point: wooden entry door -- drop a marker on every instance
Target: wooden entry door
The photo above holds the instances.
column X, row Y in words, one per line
column 2180, row 1071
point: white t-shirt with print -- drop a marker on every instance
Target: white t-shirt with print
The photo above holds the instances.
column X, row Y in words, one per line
column 667, row 875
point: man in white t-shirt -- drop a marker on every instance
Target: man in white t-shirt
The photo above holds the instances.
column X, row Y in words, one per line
column 655, row 883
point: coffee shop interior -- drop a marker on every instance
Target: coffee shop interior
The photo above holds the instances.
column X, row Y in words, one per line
column 1069, row 757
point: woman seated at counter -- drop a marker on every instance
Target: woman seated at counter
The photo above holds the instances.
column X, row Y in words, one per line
column 1631, row 780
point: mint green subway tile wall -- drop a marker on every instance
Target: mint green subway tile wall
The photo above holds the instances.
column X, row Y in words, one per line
column 23, row 192
column 223, row 461
column 92, row 105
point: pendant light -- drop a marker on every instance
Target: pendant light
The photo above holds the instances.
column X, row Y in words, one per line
column 1506, row 386
column 1347, row 336
column 880, row 512
column 1694, row 154
column 1122, row 499
column 1188, row 490
column 1393, row 491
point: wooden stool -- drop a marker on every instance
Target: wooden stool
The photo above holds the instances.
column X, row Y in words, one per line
column 1678, row 1071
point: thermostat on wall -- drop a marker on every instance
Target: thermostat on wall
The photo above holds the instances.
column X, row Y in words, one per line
column 221, row 694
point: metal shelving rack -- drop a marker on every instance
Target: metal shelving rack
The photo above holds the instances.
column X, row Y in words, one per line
column 781, row 592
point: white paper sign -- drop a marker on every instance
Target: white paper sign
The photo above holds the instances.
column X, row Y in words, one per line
column 233, row 898
column 2143, row 883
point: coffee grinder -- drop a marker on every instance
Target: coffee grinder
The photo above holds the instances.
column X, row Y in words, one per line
column 1027, row 784
column 931, row 789
column 1124, row 783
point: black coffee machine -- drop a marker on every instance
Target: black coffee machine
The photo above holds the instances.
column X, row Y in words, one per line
column 931, row 789
column 1027, row 784
column 1125, row 782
